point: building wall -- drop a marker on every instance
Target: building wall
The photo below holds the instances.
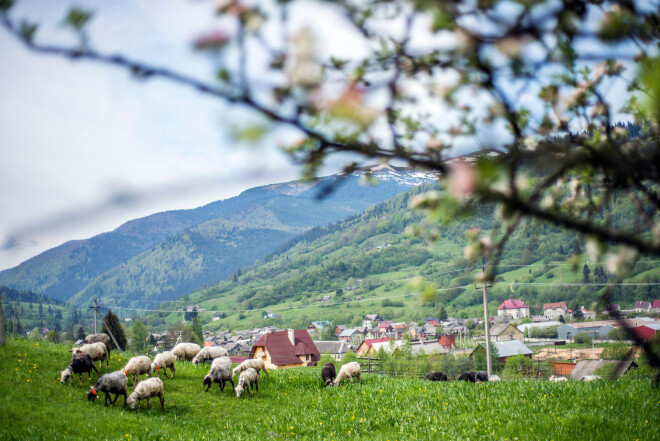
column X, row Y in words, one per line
column 510, row 333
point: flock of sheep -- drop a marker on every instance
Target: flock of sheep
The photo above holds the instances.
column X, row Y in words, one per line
column 96, row 348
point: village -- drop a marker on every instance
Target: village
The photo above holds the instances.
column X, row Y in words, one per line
column 559, row 342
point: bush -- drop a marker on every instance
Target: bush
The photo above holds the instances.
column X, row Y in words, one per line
column 583, row 337
column 517, row 366
column 616, row 351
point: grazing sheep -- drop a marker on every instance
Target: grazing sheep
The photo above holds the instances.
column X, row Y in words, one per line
column 113, row 383
column 96, row 338
column 185, row 351
column 590, row 378
column 255, row 363
column 436, row 376
column 209, row 353
column 137, row 366
column 163, row 361
column 98, row 351
column 149, row 388
column 493, row 378
column 468, row 376
column 328, row 373
column 247, row 381
column 557, row 379
column 349, row 370
column 79, row 364
column 220, row 373
column 481, row 376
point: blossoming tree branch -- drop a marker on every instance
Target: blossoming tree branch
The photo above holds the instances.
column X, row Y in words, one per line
column 542, row 82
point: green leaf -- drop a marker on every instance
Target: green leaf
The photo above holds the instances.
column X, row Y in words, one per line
column 77, row 18
column 27, row 31
column 6, row 5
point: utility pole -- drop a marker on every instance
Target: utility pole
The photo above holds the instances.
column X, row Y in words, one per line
column 96, row 312
column 486, row 323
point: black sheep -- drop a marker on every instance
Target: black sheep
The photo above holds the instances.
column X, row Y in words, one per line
column 436, row 376
column 79, row 364
column 482, row 376
column 328, row 373
column 468, row 376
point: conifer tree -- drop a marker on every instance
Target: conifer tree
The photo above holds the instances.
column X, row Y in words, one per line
column 112, row 325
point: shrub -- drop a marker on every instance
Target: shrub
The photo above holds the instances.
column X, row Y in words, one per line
column 583, row 337
column 616, row 351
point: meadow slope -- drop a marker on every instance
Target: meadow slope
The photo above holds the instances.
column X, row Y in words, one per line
column 293, row 404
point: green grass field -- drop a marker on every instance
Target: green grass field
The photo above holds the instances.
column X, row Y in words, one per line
column 293, row 404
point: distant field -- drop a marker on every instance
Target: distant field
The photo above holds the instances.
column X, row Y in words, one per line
column 293, row 404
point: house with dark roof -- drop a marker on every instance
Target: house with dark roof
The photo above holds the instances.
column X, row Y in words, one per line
column 505, row 349
column 516, row 308
column 285, row 349
column 336, row 349
column 366, row 322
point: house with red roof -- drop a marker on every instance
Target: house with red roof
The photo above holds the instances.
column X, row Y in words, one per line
column 552, row 311
column 656, row 306
column 285, row 349
column 515, row 308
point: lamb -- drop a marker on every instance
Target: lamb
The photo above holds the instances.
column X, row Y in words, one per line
column 220, row 373
column 589, row 378
column 79, row 364
column 247, row 381
column 255, row 363
column 481, row 376
column 103, row 338
column 436, row 376
column 349, row 370
column 185, row 351
column 493, row 378
column 163, row 361
column 209, row 353
column 98, row 351
column 137, row 366
column 328, row 373
column 557, row 379
column 149, row 388
column 113, row 383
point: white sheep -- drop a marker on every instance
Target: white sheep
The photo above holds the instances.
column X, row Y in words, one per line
column 247, row 381
column 220, row 373
column 209, row 353
column 185, row 351
column 103, row 338
column 137, row 366
column 349, row 370
column 149, row 388
column 98, row 351
column 493, row 378
column 588, row 378
column 255, row 363
column 163, row 361
column 557, row 379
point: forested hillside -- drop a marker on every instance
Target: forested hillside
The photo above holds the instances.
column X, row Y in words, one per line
column 373, row 263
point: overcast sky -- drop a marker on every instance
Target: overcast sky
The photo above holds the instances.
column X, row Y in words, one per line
column 86, row 148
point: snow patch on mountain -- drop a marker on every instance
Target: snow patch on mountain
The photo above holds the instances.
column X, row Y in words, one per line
column 404, row 176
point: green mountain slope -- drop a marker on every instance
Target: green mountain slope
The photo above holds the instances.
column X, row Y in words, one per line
column 368, row 263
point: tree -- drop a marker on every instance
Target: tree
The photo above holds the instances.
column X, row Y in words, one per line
column 196, row 329
column 78, row 332
column 578, row 314
column 3, row 336
column 112, row 325
column 442, row 313
column 562, row 319
column 567, row 160
column 585, row 274
column 140, row 335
